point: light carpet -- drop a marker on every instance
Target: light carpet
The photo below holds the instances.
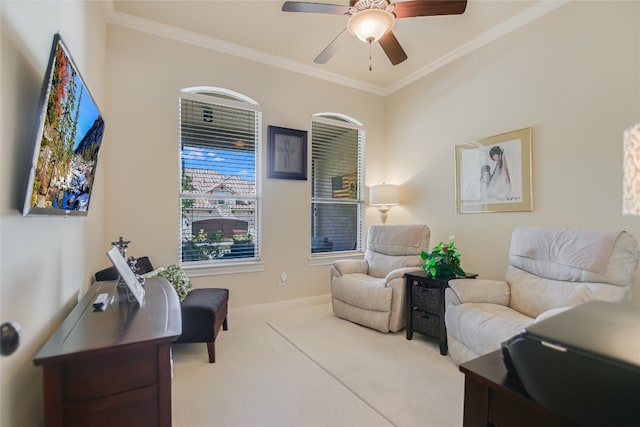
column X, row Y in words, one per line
column 407, row 382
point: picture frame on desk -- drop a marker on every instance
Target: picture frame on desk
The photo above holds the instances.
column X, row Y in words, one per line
column 127, row 275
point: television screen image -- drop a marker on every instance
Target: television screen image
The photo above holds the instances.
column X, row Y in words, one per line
column 68, row 139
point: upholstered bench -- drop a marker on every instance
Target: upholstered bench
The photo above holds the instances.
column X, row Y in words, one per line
column 203, row 310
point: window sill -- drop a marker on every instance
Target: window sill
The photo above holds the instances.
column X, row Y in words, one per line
column 321, row 260
column 222, row 269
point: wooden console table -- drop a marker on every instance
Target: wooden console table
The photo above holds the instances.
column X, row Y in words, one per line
column 494, row 398
column 112, row 367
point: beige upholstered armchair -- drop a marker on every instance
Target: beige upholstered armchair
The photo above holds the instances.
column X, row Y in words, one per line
column 370, row 292
column 550, row 270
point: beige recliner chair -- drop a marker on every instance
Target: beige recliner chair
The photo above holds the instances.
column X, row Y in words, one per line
column 550, row 270
column 370, row 292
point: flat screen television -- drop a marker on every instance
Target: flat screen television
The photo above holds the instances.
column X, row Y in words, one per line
column 67, row 141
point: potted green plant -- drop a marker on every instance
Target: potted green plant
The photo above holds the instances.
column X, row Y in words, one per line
column 443, row 262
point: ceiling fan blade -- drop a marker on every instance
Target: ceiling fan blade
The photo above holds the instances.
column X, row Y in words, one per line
column 392, row 48
column 408, row 9
column 302, row 6
column 329, row 51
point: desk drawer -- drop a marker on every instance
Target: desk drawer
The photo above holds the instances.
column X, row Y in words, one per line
column 427, row 299
column 425, row 323
column 109, row 373
column 135, row 408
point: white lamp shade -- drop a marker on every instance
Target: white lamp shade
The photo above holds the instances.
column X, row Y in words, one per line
column 370, row 24
column 383, row 195
column 631, row 190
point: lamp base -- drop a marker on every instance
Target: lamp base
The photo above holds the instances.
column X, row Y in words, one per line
column 383, row 213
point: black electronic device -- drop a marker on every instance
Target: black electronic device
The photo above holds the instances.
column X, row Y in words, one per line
column 583, row 363
column 101, row 301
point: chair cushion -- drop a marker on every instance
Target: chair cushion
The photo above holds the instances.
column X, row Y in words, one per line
column 557, row 267
column 619, row 270
column 482, row 327
column 407, row 239
column 199, row 310
column 579, row 248
column 362, row 291
column 380, row 264
column 532, row 295
column 390, row 247
column 378, row 320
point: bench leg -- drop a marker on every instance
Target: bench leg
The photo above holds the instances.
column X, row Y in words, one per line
column 211, row 348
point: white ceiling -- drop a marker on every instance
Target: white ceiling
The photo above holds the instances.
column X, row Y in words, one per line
column 259, row 30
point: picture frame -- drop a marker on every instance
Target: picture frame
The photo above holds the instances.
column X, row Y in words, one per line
column 287, row 153
column 494, row 174
column 135, row 288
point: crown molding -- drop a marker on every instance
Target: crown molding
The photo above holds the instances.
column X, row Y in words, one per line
column 125, row 20
column 515, row 22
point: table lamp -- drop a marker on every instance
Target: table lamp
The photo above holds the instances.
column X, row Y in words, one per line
column 384, row 196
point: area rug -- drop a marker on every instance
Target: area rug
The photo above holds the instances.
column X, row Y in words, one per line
column 407, row 382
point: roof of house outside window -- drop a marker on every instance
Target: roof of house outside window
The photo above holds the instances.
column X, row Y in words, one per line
column 207, row 181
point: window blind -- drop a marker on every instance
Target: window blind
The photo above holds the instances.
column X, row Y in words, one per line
column 337, row 201
column 219, row 201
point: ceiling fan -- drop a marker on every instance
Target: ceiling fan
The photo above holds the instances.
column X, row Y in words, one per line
column 373, row 20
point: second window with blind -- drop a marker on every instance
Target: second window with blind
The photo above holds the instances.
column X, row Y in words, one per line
column 337, row 178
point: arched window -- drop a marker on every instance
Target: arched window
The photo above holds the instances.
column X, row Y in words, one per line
column 219, row 169
column 337, row 178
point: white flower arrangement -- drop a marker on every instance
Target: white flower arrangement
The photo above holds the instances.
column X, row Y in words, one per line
column 176, row 276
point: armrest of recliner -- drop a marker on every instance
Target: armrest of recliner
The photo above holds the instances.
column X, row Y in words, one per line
column 349, row 266
column 398, row 273
column 551, row 312
column 480, row 290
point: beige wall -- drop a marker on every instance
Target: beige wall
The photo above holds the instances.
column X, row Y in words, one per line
column 45, row 262
column 574, row 77
column 145, row 73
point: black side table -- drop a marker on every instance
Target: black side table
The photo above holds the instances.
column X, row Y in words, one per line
column 425, row 306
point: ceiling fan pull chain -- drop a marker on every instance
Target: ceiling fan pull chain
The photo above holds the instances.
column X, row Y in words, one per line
column 370, row 68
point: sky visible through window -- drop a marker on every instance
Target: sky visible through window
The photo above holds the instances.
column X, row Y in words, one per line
column 225, row 162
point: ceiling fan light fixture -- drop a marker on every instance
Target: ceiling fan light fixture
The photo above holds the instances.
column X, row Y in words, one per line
column 370, row 25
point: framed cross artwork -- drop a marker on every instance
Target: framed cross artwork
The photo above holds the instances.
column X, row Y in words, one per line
column 287, row 153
